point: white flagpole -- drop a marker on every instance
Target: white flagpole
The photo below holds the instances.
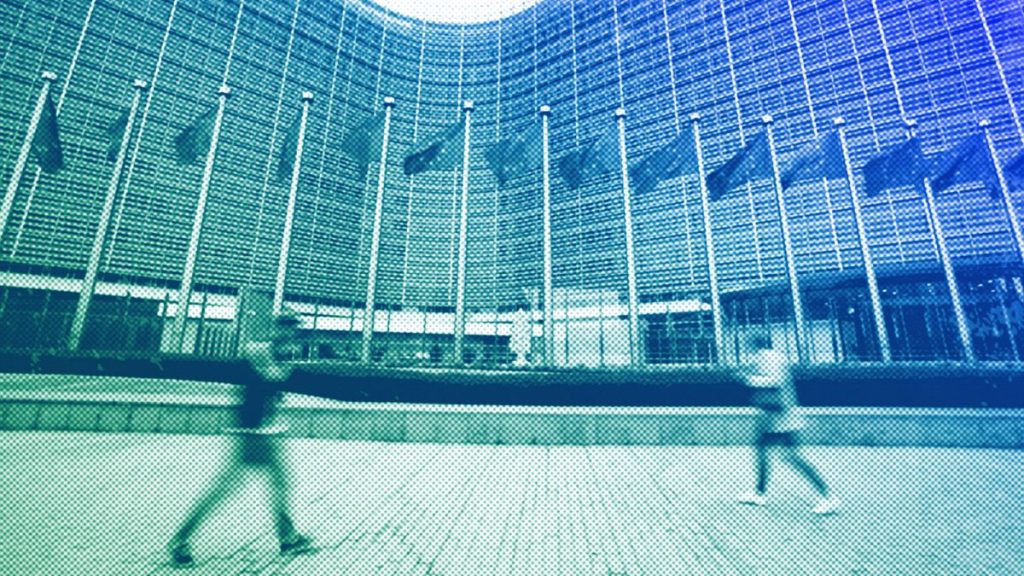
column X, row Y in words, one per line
column 1011, row 211
column 947, row 264
column 460, row 292
column 91, row 271
column 716, row 303
column 185, row 292
column 26, row 147
column 787, row 245
column 371, row 280
column 289, row 215
column 549, row 315
column 865, row 250
column 634, row 322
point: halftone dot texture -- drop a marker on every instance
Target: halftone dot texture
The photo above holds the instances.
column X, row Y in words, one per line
column 698, row 192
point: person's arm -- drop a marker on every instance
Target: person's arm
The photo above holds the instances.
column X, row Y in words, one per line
column 769, row 370
column 266, row 361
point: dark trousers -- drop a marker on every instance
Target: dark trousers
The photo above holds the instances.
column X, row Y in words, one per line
column 251, row 451
column 790, row 446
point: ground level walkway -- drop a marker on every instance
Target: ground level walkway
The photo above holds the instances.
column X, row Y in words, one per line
column 79, row 503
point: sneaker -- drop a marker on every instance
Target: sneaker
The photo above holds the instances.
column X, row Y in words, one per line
column 826, row 506
column 753, row 498
column 181, row 554
column 296, row 544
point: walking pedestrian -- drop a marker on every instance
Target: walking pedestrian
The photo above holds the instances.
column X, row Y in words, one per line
column 778, row 424
column 254, row 440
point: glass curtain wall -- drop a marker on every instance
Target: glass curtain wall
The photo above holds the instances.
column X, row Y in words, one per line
column 874, row 62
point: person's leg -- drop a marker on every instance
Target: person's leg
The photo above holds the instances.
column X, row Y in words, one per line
column 291, row 540
column 217, row 491
column 826, row 503
column 278, row 489
column 796, row 459
column 762, row 464
column 226, row 480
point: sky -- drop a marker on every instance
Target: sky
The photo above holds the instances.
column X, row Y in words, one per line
column 460, row 11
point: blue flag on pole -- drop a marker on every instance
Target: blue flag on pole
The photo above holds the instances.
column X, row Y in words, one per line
column 443, row 151
column 363, row 143
column 569, row 166
column 193, row 142
column 1014, row 171
column 750, row 162
column 597, row 159
column 969, row 161
column 286, row 159
column 46, row 144
column 516, row 155
column 822, row 158
column 115, row 133
column 904, row 165
column 674, row 159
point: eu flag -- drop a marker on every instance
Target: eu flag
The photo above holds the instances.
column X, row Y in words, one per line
column 822, row 158
column 286, row 160
column 193, row 142
column 597, row 159
column 750, row 162
column 1014, row 171
column 516, row 155
column 115, row 133
column 904, row 165
column 675, row 158
column 443, row 151
column 363, row 143
column 46, row 144
column 969, row 161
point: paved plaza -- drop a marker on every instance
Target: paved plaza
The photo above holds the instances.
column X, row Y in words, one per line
column 93, row 504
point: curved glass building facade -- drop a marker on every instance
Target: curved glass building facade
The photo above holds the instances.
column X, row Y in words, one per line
column 630, row 282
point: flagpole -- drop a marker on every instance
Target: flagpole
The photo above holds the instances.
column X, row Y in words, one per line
column 371, row 280
column 709, row 243
column 549, row 315
column 91, row 271
column 947, row 264
column 865, row 250
column 634, row 324
column 460, row 291
column 787, row 244
column 26, row 147
column 1004, row 190
column 185, row 292
column 289, row 215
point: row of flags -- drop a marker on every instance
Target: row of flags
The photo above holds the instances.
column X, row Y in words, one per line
column 903, row 165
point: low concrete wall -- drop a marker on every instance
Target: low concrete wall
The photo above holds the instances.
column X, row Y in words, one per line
column 988, row 428
column 900, row 384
